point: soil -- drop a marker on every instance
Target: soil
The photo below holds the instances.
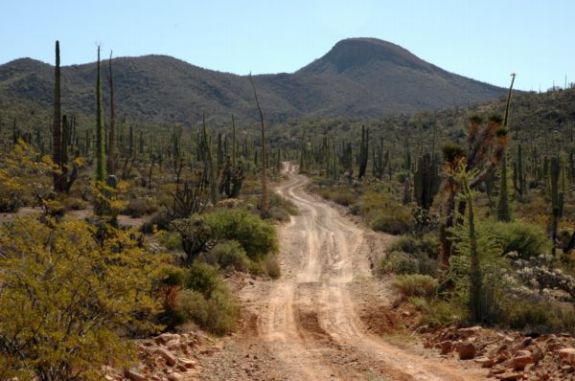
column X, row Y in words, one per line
column 327, row 317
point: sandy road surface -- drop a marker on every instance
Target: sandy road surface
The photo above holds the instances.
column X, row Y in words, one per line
column 306, row 325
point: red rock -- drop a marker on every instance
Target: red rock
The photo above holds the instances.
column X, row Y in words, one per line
column 567, row 355
column 445, row 347
column 175, row 377
column 167, row 355
column 485, row 362
column 134, row 375
column 466, row 350
column 510, row 376
column 520, row 362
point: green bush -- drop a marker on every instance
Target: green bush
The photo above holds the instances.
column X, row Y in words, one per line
column 192, row 306
column 228, row 254
column 280, row 209
column 138, row 207
column 425, row 245
column 170, row 240
column 526, row 239
column 340, row 195
column 204, row 278
column 537, row 316
column 257, row 237
column 272, row 267
column 416, row 285
column 438, row 312
column 394, row 221
column 398, row 262
column 160, row 220
column 206, row 300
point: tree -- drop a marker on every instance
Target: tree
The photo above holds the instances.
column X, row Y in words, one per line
column 66, row 296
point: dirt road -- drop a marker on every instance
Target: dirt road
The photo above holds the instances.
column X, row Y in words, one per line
column 307, row 325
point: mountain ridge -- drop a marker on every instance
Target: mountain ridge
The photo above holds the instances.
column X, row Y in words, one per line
column 358, row 77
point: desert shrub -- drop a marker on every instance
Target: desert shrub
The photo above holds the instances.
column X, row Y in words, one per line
column 416, row 285
column 526, row 239
column 426, row 245
column 280, row 209
column 438, row 312
column 394, row 221
column 398, row 262
column 170, row 240
column 203, row 278
column 207, row 300
column 74, row 203
column 223, row 312
column 383, row 213
column 160, row 220
column 192, row 306
column 272, row 267
column 257, row 237
column 340, row 195
column 138, row 207
column 228, row 254
column 66, row 297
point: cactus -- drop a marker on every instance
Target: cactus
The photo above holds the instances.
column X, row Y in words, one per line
column 100, row 133
column 363, row 152
column 426, row 181
column 112, row 154
column 58, row 178
column 264, row 203
column 503, row 206
column 557, row 198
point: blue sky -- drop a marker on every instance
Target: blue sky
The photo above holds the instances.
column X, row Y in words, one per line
column 482, row 39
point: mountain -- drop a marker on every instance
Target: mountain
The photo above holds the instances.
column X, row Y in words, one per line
column 358, row 78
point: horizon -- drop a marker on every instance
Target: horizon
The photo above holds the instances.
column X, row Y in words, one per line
column 225, row 39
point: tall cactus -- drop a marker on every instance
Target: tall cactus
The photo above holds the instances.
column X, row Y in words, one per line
column 264, row 206
column 426, row 181
column 557, row 197
column 503, row 206
column 100, row 133
column 58, row 179
column 363, row 152
column 112, row 154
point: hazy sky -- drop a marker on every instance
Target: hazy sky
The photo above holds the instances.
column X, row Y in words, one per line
column 482, row 39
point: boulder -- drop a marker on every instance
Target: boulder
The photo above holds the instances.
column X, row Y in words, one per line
column 466, row 350
column 520, row 362
column 567, row 355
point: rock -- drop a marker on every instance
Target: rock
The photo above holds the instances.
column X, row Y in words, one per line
column 510, row 376
column 469, row 331
column 485, row 362
column 134, row 375
column 170, row 358
column 567, row 355
column 466, row 350
column 166, row 337
column 175, row 377
column 188, row 363
column 445, row 347
column 520, row 362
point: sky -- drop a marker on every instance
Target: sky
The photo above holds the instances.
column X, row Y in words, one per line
column 482, row 39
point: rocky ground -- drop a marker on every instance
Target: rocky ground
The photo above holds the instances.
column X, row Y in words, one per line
column 509, row 356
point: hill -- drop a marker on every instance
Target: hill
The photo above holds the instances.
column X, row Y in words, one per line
column 359, row 78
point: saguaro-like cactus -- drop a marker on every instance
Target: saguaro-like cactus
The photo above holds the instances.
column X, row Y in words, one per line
column 100, row 133
column 426, row 181
column 556, row 198
column 363, row 152
column 503, row 206
column 57, row 125
column 112, row 154
column 264, row 206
